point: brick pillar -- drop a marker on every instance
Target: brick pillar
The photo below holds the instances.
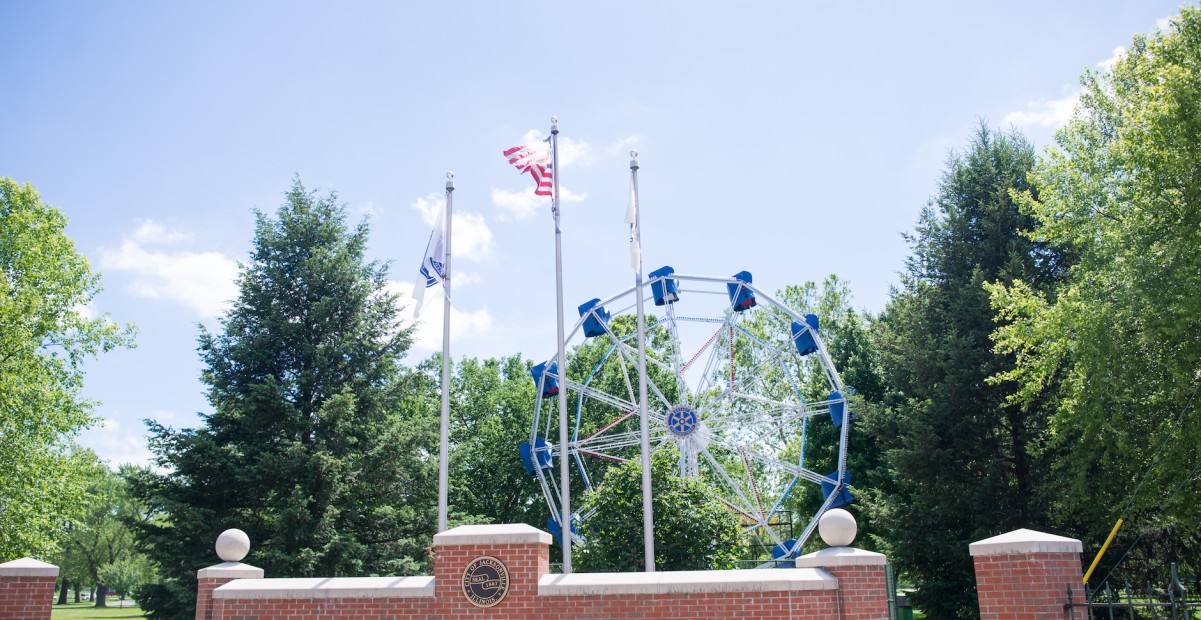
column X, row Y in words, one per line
column 1025, row 575
column 209, row 579
column 522, row 549
column 862, row 580
column 26, row 589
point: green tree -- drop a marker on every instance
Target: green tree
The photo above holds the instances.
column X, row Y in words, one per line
column 45, row 336
column 1116, row 346
column 126, row 576
column 104, row 535
column 967, row 462
column 491, row 403
column 693, row 530
column 314, row 447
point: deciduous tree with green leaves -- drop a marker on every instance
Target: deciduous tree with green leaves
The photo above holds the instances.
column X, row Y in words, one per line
column 693, row 529
column 104, row 535
column 1117, row 347
column 46, row 333
column 491, row 404
column 314, row 446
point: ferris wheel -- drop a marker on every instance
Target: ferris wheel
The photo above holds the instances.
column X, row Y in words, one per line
column 740, row 386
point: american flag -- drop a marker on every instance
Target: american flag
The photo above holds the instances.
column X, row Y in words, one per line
column 535, row 159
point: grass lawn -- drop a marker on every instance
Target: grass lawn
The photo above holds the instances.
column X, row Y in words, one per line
column 84, row 611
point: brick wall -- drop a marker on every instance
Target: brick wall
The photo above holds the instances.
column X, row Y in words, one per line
column 213, row 577
column 807, row 592
column 862, row 591
column 1025, row 575
column 26, row 589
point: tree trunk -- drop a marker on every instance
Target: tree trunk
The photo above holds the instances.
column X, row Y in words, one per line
column 101, row 590
column 76, row 591
column 62, row 593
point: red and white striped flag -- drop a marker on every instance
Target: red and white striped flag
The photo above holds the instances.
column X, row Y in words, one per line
column 535, row 159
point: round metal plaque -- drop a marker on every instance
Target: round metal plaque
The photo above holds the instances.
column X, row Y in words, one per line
column 485, row 581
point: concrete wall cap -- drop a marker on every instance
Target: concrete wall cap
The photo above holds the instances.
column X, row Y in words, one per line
column 1025, row 541
column 230, row 570
column 841, row 556
column 327, row 587
column 687, row 582
column 512, row 533
column 28, row 567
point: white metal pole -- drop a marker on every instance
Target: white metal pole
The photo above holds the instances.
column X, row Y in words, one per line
column 564, row 479
column 648, row 521
column 444, row 439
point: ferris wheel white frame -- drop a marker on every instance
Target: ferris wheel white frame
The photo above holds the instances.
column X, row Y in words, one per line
column 711, row 420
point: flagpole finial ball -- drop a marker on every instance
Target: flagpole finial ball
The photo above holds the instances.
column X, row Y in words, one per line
column 450, row 174
column 837, row 528
column 634, row 154
column 233, row 545
column 554, row 120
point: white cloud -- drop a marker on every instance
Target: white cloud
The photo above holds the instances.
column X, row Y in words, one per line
column 463, row 278
column 367, row 208
column 153, row 233
column 471, row 238
column 117, row 445
column 427, row 338
column 86, row 311
column 518, row 205
column 1163, row 24
column 570, row 151
column 1044, row 112
column 623, row 146
column 1108, row 63
column 202, row 281
column 523, row 204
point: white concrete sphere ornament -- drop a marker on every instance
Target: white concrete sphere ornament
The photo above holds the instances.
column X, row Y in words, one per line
column 838, row 528
column 233, row 545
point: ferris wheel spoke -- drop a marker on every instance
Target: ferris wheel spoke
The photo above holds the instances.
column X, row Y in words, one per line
column 677, row 362
column 744, row 504
column 625, row 370
column 600, row 396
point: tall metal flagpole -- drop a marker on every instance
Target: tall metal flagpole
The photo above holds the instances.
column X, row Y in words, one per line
column 648, row 521
column 564, row 481
column 444, row 441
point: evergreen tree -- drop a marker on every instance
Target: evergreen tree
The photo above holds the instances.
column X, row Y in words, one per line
column 967, row 462
column 309, row 448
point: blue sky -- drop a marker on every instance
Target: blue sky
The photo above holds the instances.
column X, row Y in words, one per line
column 789, row 139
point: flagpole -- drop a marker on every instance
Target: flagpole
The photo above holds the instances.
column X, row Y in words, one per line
column 648, row 521
column 564, row 480
column 444, row 439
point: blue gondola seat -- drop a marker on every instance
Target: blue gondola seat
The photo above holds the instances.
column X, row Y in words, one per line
column 838, row 408
column 784, row 558
column 802, row 335
column 741, row 297
column 666, row 290
column 540, row 451
column 552, row 526
column 550, row 387
column 598, row 318
column 844, row 493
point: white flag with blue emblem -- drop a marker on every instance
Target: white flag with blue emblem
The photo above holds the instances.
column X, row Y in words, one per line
column 635, row 234
column 433, row 265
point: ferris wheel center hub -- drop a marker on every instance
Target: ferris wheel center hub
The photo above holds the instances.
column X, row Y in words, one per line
column 682, row 420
